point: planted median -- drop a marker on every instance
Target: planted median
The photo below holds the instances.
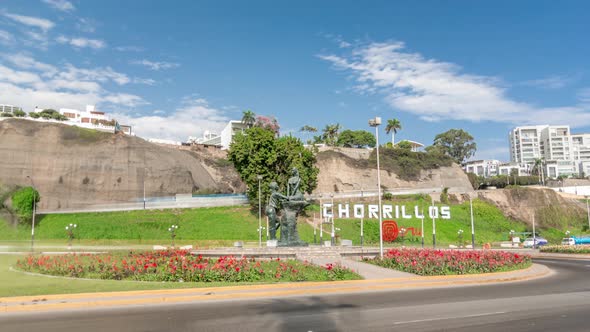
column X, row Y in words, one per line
column 429, row 262
column 180, row 266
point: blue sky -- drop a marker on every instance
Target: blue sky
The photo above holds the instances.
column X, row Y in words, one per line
column 174, row 69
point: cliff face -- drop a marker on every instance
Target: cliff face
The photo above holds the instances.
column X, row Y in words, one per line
column 72, row 167
column 343, row 170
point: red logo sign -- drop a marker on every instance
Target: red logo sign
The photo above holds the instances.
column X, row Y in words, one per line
column 391, row 231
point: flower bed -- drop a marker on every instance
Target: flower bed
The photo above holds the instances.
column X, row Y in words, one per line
column 578, row 249
column 429, row 262
column 180, row 266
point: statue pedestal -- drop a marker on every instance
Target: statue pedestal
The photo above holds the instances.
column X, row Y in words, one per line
column 271, row 243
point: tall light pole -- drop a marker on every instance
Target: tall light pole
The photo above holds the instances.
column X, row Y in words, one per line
column 375, row 123
column 259, row 177
column 144, row 171
column 333, row 238
column 34, row 212
column 433, row 223
column 472, row 228
column 321, row 222
column 588, row 211
column 534, row 236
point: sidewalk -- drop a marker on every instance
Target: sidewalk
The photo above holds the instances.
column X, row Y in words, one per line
column 45, row 303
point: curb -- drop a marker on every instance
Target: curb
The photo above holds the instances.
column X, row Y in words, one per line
column 57, row 302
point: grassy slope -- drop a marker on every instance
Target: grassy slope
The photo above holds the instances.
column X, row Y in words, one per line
column 223, row 225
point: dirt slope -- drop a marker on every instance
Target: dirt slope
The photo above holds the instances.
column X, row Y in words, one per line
column 72, row 167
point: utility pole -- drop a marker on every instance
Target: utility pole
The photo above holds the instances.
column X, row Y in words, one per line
column 433, row 225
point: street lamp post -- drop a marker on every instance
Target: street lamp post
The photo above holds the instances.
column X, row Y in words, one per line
column 375, row 123
column 362, row 232
column 172, row 229
column 534, row 235
column 422, row 228
column 259, row 177
column 588, row 212
column 144, row 171
column 472, row 227
column 70, row 230
column 333, row 235
column 321, row 222
column 433, row 223
column 34, row 212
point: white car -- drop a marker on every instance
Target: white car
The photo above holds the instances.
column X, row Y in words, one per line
column 568, row 241
column 528, row 243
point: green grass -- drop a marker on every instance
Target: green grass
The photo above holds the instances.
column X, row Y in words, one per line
column 20, row 284
column 489, row 223
column 221, row 226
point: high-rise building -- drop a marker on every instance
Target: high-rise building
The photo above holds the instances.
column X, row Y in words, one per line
column 560, row 151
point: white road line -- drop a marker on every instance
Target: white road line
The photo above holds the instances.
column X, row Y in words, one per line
column 453, row 317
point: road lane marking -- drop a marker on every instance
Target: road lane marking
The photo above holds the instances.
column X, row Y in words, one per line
column 445, row 318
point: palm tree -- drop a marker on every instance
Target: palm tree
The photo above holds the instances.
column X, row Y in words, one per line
column 249, row 118
column 538, row 167
column 308, row 129
column 330, row 134
column 393, row 125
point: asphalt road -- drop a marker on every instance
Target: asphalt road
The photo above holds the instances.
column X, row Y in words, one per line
column 560, row 302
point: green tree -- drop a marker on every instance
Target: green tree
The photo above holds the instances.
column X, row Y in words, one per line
column 330, row 134
column 308, row 129
column 248, row 118
column 404, row 145
column 22, row 203
column 456, row 143
column 19, row 113
column 257, row 151
column 34, row 115
column 356, row 139
column 393, row 126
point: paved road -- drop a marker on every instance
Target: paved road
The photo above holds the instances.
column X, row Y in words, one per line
column 559, row 302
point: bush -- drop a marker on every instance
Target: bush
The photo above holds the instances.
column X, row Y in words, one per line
column 6, row 115
column 22, row 203
column 387, row 196
column 34, row 115
column 19, row 113
column 566, row 249
column 408, row 164
column 444, row 196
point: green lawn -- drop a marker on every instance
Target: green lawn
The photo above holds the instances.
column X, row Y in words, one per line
column 221, row 226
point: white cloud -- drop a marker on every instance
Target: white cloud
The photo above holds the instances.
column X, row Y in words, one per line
column 146, row 81
column 6, row 38
column 81, row 42
column 124, row 99
column 63, row 5
column 129, row 49
column 552, row 82
column 86, row 25
column 97, row 74
column 155, row 65
column 39, row 84
column 190, row 120
column 436, row 90
column 36, row 22
column 26, row 62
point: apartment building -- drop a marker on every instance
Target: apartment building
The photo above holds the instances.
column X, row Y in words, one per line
column 485, row 168
column 563, row 153
column 9, row 108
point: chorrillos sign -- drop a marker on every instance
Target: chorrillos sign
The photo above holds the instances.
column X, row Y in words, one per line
column 389, row 211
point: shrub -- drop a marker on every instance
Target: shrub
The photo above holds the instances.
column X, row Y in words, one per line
column 22, row 203
column 34, row 115
column 578, row 249
column 6, row 115
column 444, row 196
column 19, row 113
column 387, row 196
column 408, row 164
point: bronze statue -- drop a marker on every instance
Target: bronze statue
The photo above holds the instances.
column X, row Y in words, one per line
column 292, row 204
column 271, row 209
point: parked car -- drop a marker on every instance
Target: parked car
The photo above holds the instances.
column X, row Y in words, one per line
column 539, row 241
column 568, row 241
